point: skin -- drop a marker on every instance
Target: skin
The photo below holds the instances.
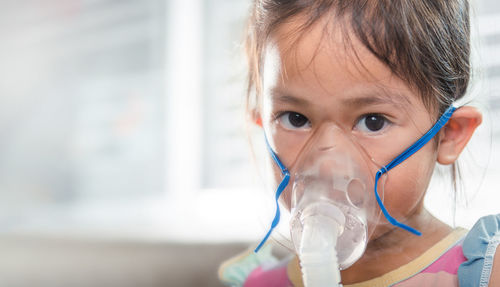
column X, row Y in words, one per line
column 495, row 274
column 325, row 82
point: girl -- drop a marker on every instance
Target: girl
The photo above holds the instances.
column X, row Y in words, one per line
column 358, row 101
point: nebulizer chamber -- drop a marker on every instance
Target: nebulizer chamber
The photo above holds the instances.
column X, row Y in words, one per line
column 330, row 204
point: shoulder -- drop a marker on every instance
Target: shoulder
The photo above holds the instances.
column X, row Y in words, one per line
column 495, row 274
column 252, row 269
column 480, row 249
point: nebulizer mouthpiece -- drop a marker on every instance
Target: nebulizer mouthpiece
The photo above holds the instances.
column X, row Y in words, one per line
column 330, row 204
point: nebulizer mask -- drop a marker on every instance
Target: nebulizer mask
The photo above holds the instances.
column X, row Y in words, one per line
column 336, row 199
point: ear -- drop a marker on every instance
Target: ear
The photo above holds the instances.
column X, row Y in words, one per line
column 457, row 133
column 255, row 117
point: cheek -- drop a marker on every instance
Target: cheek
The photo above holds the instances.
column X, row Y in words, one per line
column 285, row 197
column 407, row 183
column 286, row 146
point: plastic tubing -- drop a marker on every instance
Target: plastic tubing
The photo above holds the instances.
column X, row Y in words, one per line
column 317, row 253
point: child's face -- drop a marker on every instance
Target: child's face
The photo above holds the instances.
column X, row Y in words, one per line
column 321, row 80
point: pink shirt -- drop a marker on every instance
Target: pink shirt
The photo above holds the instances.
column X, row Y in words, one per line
column 438, row 266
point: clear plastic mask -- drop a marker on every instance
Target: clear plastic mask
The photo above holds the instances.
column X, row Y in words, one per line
column 336, row 179
column 333, row 178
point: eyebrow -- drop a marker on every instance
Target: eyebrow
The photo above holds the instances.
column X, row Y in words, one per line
column 377, row 99
column 289, row 99
column 358, row 101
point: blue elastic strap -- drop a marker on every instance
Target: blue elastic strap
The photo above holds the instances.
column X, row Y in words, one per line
column 281, row 187
column 404, row 155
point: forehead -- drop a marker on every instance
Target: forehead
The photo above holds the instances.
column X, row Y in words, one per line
column 326, row 59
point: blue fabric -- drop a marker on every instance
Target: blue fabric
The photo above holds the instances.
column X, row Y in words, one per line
column 479, row 248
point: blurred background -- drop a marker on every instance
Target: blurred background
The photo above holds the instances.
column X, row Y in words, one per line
column 124, row 156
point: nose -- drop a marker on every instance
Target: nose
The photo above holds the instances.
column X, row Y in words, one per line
column 329, row 138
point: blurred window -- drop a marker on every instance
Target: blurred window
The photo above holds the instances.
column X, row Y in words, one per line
column 127, row 117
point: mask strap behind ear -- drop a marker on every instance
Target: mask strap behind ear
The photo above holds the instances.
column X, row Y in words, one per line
column 403, row 156
column 281, row 187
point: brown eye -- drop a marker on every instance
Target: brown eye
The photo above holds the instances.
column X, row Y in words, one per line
column 294, row 121
column 372, row 123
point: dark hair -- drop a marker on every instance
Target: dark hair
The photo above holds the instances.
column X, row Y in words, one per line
column 426, row 43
